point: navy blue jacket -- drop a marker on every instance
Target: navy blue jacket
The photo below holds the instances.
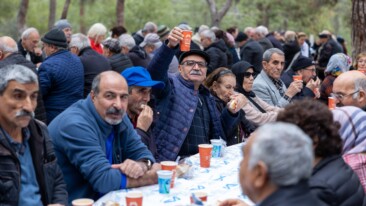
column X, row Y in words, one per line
column 176, row 105
column 287, row 78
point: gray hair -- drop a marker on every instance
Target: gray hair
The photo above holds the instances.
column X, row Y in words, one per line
column 5, row 47
column 127, row 40
column 96, row 30
column 96, row 83
column 79, row 40
column 17, row 73
column 286, row 151
column 267, row 55
column 26, row 33
column 290, row 36
column 360, row 84
column 209, row 34
column 150, row 27
column 261, row 30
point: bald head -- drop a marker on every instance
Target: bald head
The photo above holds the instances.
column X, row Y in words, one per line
column 7, row 46
column 351, row 86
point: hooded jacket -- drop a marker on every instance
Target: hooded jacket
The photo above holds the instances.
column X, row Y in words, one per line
column 218, row 55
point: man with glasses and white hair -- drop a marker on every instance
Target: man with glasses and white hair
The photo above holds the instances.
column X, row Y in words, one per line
column 349, row 89
column 28, row 165
column 271, row 175
column 187, row 113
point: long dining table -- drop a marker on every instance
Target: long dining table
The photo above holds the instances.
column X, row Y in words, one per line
column 220, row 182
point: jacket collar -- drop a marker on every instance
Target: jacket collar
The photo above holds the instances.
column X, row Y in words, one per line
column 190, row 85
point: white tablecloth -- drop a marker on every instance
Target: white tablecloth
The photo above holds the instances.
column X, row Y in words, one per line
column 220, row 181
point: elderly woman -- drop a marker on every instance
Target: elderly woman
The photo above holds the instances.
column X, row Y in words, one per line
column 257, row 110
column 221, row 83
column 332, row 180
column 360, row 62
column 338, row 64
column 96, row 35
column 353, row 134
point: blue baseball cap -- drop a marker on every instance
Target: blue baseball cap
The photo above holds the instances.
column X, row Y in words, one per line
column 139, row 76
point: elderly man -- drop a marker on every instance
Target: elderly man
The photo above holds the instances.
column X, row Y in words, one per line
column 118, row 60
column 150, row 27
column 260, row 36
column 303, row 67
column 96, row 144
column 349, row 89
column 126, row 42
column 64, row 26
column 93, row 62
column 217, row 50
column 250, row 51
column 61, row 75
column 187, row 113
column 271, row 175
column 9, row 55
column 268, row 86
column 139, row 112
column 28, row 170
column 28, row 46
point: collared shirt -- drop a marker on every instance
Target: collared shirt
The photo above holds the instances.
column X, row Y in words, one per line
column 29, row 188
column 278, row 83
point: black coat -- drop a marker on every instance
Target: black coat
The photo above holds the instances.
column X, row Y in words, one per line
column 290, row 49
column 218, row 55
column 327, row 50
column 139, row 57
column 120, row 62
column 17, row 58
column 34, row 58
column 49, row 176
column 295, row 195
column 93, row 64
column 252, row 52
column 287, row 78
column 334, row 183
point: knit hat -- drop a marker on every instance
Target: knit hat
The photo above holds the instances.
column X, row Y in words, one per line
column 151, row 38
column 55, row 37
column 112, row 45
column 163, row 30
column 241, row 37
column 301, row 63
column 139, row 76
column 195, row 52
column 62, row 24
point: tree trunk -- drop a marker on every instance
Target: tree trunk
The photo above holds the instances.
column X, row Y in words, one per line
column 120, row 12
column 265, row 12
column 52, row 16
column 358, row 27
column 217, row 16
column 22, row 13
column 82, row 24
column 66, row 9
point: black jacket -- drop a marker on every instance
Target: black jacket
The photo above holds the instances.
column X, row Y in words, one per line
column 290, row 49
column 49, row 176
column 334, row 183
column 119, row 62
column 93, row 64
column 295, row 195
column 139, row 57
column 34, row 58
column 218, row 55
column 17, row 58
column 252, row 52
column 327, row 50
column 287, row 78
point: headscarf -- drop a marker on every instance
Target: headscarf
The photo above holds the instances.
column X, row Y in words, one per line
column 338, row 64
column 239, row 69
column 353, row 128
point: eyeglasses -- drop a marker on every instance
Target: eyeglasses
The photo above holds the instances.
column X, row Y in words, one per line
column 340, row 97
column 312, row 70
column 192, row 63
column 248, row 74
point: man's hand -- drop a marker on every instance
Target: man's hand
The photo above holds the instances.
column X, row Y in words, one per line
column 131, row 168
column 240, row 100
column 313, row 84
column 233, row 202
column 145, row 118
column 174, row 37
column 294, row 88
column 149, row 178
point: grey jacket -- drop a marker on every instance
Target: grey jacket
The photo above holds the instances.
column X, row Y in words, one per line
column 265, row 89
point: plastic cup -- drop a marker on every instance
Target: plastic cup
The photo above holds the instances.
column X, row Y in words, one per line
column 296, row 77
column 205, row 151
column 216, row 148
column 331, row 103
column 164, row 177
column 170, row 166
column 82, row 202
column 185, row 43
column 134, row 198
column 200, row 195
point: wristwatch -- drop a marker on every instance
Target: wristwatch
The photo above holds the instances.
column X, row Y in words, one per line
column 287, row 98
column 147, row 162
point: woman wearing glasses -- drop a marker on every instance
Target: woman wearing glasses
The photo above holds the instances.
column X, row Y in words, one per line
column 221, row 83
column 257, row 110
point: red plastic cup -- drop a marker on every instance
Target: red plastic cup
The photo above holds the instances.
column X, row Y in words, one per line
column 185, row 43
column 331, row 103
column 200, row 195
column 296, row 77
column 205, row 151
column 171, row 166
column 134, row 198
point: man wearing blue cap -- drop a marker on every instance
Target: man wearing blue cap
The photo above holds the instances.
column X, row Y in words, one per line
column 141, row 115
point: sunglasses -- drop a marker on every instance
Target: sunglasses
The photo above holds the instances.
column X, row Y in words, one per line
column 248, row 74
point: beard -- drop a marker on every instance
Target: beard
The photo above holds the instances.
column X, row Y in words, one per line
column 114, row 111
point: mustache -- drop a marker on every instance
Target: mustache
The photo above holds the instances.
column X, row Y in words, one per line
column 24, row 113
column 115, row 111
column 195, row 72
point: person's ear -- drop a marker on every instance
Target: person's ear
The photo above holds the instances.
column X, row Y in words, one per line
column 361, row 95
column 92, row 95
column 260, row 172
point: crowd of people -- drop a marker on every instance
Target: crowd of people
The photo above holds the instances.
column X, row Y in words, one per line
column 84, row 115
